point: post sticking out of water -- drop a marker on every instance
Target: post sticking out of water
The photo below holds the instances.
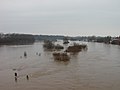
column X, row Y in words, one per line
column 36, row 53
column 16, row 77
column 25, row 54
column 39, row 54
column 27, row 77
column 16, row 74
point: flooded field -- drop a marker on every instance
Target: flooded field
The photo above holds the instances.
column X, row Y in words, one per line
column 98, row 68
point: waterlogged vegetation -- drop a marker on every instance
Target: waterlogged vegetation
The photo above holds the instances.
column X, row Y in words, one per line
column 76, row 47
column 58, row 47
column 65, row 40
column 50, row 45
column 61, row 54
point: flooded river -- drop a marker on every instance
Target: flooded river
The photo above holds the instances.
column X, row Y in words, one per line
column 98, row 68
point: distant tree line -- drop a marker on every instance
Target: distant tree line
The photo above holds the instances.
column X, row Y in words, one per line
column 99, row 39
column 107, row 39
column 48, row 37
column 29, row 39
column 16, row 38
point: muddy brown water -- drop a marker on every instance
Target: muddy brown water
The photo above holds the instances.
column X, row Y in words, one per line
column 98, row 68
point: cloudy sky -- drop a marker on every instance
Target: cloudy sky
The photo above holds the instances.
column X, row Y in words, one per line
column 63, row 17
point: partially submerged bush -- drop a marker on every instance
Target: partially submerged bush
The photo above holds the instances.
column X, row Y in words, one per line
column 83, row 46
column 59, row 46
column 65, row 40
column 76, row 48
column 49, row 45
column 61, row 56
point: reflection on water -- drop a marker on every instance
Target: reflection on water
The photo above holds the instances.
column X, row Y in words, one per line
column 61, row 62
column 98, row 68
column 16, row 79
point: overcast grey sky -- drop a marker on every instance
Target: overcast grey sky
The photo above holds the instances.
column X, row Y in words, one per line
column 63, row 17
